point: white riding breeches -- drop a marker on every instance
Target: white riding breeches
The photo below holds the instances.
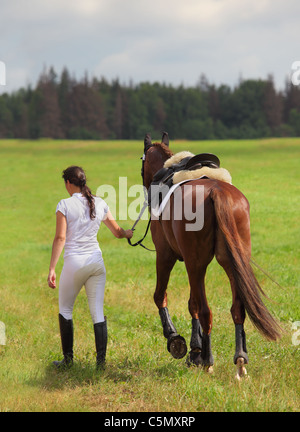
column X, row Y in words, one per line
column 79, row 271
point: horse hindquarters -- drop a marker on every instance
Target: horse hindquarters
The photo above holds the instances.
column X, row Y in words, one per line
column 233, row 252
column 232, row 216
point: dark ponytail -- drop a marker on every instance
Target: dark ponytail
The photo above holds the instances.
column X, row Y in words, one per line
column 76, row 176
column 86, row 192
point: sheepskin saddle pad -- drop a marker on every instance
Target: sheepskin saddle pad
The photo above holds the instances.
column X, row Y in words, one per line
column 183, row 167
column 186, row 166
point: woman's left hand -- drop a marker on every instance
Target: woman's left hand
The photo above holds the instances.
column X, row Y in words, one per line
column 128, row 234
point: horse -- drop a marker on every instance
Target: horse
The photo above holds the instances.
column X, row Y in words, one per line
column 225, row 235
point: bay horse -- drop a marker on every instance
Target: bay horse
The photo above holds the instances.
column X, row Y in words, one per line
column 225, row 234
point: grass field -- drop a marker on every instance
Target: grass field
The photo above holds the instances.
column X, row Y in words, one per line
column 140, row 374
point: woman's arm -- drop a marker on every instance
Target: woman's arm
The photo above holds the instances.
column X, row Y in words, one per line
column 57, row 247
column 117, row 231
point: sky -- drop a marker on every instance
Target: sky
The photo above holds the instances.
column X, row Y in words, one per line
column 167, row 41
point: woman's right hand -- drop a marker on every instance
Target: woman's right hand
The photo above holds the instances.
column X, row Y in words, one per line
column 52, row 279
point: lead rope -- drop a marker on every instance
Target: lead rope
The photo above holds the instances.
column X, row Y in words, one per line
column 139, row 243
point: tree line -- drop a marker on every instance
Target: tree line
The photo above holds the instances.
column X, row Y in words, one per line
column 62, row 107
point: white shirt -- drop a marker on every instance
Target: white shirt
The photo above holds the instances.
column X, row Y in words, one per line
column 81, row 236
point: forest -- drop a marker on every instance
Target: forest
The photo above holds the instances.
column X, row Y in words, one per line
column 59, row 106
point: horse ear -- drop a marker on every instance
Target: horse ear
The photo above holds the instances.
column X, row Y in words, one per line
column 147, row 141
column 165, row 139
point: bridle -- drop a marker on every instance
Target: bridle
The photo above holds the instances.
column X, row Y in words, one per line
column 145, row 205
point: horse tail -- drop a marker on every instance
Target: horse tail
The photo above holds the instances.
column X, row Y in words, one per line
column 247, row 286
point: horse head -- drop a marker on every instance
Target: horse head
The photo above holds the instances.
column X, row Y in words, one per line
column 155, row 155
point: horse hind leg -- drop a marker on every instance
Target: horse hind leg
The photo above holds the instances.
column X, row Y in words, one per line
column 240, row 358
column 237, row 310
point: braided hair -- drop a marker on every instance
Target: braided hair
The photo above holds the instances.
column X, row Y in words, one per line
column 77, row 177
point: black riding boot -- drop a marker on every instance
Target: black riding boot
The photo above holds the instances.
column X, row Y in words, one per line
column 66, row 334
column 100, row 330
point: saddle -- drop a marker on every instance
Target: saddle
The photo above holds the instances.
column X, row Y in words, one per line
column 184, row 162
column 188, row 163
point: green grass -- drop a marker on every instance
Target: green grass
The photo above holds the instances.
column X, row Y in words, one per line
column 141, row 375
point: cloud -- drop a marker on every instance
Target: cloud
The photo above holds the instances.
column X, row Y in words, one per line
column 173, row 41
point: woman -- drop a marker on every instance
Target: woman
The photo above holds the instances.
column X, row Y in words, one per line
column 78, row 219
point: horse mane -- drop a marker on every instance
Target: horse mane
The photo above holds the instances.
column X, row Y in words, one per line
column 163, row 149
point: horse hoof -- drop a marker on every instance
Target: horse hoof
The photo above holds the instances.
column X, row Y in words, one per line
column 241, row 370
column 177, row 346
column 194, row 359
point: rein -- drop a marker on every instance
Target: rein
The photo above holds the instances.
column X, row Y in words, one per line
column 145, row 205
column 139, row 243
